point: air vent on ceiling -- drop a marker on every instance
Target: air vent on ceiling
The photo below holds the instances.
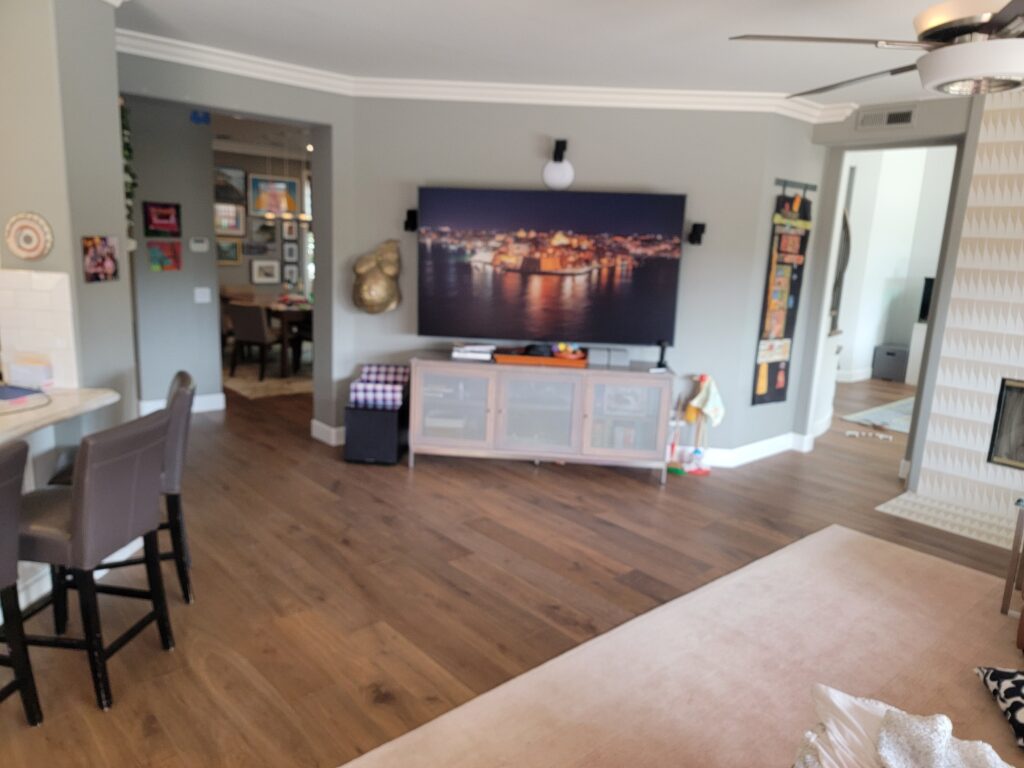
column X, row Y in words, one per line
column 875, row 119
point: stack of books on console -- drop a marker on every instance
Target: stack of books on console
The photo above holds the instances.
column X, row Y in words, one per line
column 480, row 352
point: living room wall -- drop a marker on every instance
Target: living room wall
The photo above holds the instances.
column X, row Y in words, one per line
column 725, row 163
column 380, row 151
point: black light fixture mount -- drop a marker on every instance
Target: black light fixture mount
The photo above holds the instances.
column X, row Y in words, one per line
column 696, row 234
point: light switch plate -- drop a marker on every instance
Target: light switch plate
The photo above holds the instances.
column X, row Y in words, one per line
column 202, row 295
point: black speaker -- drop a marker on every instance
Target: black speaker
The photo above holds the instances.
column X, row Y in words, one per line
column 374, row 436
column 696, row 234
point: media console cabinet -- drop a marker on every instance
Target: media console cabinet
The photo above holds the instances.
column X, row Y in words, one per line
column 612, row 416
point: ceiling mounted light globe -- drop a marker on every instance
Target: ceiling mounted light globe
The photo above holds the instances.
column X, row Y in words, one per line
column 559, row 174
column 987, row 66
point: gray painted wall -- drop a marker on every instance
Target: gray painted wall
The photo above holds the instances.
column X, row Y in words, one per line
column 725, row 163
column 174, row 164
column 61, row 157
column 382, row 150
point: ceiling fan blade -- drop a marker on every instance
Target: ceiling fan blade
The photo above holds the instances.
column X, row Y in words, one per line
column 855, row 80
column 911, row 45
column 1007, row 21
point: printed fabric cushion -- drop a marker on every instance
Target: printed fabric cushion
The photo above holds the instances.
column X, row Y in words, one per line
column 1007, row 687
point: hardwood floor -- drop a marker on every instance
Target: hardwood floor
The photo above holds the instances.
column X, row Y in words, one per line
column 339, row 605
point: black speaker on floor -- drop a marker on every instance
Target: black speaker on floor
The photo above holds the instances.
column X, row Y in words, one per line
column 374, row 436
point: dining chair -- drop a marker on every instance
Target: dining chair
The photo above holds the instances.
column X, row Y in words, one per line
column 113, row 500
column 12, row 471
column 250, row 326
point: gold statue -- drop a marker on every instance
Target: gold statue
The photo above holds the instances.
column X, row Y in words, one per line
column 376, row 288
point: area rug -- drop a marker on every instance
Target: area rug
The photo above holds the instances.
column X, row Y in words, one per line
column 246, row 382
column 972, row 523
column 722, row 676
column 893, row 416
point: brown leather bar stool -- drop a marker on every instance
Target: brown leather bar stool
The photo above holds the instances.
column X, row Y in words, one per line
column 114, row 499
column 12, row 470
column 179, row 409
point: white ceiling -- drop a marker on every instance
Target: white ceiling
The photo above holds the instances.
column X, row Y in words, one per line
column 678, row 44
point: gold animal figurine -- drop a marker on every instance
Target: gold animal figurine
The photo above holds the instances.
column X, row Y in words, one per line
column 376, row 287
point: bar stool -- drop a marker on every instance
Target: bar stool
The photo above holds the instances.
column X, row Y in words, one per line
column 114, row 498
column 179, row 408
column 12, row 470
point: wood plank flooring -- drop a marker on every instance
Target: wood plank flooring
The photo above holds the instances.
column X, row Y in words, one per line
column 339, row 606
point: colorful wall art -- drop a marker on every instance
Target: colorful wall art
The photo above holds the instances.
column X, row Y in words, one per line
column 164, row 255
column 99, row 259
column 273, row 195
column 162, row 219
column 791, row 230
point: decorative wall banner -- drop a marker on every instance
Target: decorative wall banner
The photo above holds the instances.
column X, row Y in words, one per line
column 791, row 231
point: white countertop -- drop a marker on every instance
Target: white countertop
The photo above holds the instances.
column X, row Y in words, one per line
column 64, row 404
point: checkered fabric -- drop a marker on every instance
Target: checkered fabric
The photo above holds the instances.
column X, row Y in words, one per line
column 368, row 394
column 377, row 373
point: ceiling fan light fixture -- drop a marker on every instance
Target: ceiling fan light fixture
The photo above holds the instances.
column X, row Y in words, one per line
column 965, row 69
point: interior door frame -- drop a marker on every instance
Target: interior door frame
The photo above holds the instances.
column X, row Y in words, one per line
column 966, row 145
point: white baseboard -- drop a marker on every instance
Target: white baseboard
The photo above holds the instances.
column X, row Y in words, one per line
column 853, row 376
column 325, row 433
column 200, row 404
column 34, row 578
column 822, row 425
column 728, row 458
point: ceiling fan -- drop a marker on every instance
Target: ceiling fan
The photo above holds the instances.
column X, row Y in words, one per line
column 969, row 48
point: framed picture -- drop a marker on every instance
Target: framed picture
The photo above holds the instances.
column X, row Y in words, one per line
column 290, row 252
column 99, row 259
column 289, row 229
column 161, row 219
column 265, row 271
column 262, row 231
column 229, row 185
column 229, row 219
column 273, row 194
column 229, row 250
column 290, row 274
column 164, row 255
column 1007, row 447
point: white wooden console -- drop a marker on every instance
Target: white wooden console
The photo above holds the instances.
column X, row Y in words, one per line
column 616, row 416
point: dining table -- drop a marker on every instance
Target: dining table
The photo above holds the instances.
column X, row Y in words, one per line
column 290, row 316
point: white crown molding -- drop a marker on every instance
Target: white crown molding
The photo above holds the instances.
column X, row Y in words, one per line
column 229, row 62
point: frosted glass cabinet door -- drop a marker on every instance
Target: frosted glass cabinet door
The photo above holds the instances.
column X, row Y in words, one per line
column 627, row 417
column 454, row 407
column 539, row 412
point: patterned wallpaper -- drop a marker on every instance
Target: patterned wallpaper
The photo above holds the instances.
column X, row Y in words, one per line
column 984, row 336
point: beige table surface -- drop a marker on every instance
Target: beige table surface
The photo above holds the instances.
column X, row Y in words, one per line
column 64, row 404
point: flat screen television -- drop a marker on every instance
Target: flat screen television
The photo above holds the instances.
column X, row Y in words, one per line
column 586, row 267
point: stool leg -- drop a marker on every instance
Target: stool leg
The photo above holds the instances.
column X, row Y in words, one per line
column 94, row 637
column 59, row 580
column 156, row 589
column 19, row 655
column 179, row 542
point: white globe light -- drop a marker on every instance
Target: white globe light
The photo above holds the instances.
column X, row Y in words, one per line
column 559, row 175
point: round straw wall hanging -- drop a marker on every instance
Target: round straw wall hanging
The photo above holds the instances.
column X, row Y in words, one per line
column 28, row 236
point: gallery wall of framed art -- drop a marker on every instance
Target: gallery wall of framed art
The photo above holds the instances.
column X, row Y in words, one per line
column 262, row 217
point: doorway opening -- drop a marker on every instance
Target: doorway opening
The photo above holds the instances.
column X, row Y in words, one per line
column 266, row 261
column 891, row 216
